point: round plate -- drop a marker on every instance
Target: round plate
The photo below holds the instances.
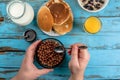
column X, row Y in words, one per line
column 53, row 33
column 105, row 4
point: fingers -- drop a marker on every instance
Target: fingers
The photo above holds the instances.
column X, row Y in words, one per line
column 74, row 52
column 84, row 54
column 81, row 53
column 77, row 44
column 44, row 71
column 31, row 50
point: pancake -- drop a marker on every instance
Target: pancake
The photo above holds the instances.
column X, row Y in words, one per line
column 45, row 19
column 65, row 27
column 50, row 2
column 60, row 12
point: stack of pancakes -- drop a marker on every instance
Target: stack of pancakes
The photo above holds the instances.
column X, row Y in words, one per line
column 55, row 16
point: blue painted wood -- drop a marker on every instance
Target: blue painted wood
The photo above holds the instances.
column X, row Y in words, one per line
column 104, row 47
column 98, row 58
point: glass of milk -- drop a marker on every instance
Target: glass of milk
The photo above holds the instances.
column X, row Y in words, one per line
column 20, row 12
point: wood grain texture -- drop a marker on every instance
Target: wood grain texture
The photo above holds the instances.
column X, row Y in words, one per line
column 104, row 47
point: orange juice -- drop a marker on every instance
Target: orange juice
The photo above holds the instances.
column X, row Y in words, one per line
column 92, row 25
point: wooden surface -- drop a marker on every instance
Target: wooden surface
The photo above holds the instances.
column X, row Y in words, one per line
column 104, row 47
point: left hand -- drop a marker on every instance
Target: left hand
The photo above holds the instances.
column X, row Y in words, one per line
column 28, row 71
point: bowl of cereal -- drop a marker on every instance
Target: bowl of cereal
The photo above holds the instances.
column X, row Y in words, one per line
column 45, row 54
column 93, row 5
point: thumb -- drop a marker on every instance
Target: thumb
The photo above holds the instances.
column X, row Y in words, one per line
column 44, row 71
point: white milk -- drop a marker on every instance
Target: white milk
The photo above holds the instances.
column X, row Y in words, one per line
column 17, row 9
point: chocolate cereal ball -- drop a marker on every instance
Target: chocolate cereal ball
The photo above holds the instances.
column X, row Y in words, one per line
column 45, row 54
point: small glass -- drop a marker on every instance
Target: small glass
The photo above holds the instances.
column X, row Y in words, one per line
column 92, row 25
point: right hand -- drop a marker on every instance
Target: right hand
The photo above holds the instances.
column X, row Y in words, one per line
column 78, row 62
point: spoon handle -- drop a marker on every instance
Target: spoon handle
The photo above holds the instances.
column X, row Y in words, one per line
column 81, row 47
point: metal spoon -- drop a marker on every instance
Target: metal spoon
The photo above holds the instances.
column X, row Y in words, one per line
column 61, row 49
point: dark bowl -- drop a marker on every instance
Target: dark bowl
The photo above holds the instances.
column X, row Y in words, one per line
column 37, row 58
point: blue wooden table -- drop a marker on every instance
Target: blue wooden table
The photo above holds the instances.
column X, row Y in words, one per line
column 104, row 47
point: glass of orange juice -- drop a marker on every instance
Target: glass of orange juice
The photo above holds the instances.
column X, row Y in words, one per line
column 92, row 25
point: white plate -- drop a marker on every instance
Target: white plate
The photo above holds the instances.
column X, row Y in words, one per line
column 53, row 33
column 105, row 4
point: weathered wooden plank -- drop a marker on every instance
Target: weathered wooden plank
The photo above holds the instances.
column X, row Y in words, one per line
column 78, row 11
column 109, row 25
column 110, row 10
column 92, row 41
column 104, row 47
column 98, row 58
column 94, row 70
column 107, row 72
column 78, row 22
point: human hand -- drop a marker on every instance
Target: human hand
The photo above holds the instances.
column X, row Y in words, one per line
column 78, row 62
column 28, row 71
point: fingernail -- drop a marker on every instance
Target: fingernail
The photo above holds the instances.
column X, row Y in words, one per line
column 69, row 52
column 75, row 47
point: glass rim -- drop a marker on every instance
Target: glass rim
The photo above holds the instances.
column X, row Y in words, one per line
column 16, row 1
column 87, row 19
